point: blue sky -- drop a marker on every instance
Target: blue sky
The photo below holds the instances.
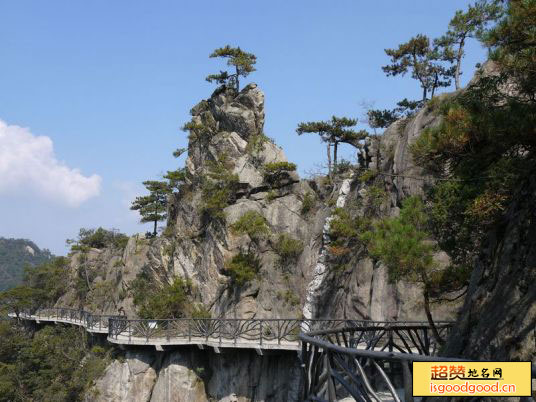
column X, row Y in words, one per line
column 110, row 83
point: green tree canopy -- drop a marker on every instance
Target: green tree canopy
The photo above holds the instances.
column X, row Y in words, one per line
column 20, row 298
column 241, row 61
column 333, row 132
column 176, row 178
column 423, row 61
column 513, row 45
column 97, row 238
column 153, row 207
column 466, row 25
column 402, row 244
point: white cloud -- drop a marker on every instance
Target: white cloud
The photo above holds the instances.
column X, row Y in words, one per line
column 28, row 164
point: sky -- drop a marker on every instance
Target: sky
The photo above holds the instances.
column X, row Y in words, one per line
column 93, row 93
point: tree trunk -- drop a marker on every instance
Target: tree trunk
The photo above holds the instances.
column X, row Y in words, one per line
column 426, row 294
column 154, row 231
column 329, row 159
column 435, row 84
column 237, row 84
column 335, row 145
column 424, row 92
column 459, row 64
column 87, row 277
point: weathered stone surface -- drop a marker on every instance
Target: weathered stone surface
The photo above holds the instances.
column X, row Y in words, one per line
column 131, row 380
column 179, row 380
column 193, row 375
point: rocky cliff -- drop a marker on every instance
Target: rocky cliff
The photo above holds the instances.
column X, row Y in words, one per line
column 232, row 167
column 190, row 374
column 197, row 246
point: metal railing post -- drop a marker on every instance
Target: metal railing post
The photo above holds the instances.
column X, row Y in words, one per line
column 167, row 330
column 260, row 330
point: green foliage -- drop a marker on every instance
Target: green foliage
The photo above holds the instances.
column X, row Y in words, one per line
column 15, row 254
column 288, row 249
column 423, row 61
column 179, row 151
column 466, row 25
column 176, row 178
column 241, row 61
column 308, row 203
column 511, row 43
column 374, row 199
column 243, row 267
column 344, row 229
column 274, row 172
column 343, row 166
column 218, row 188
column 378, row 118
column 153, row 207
column 384, row 118
column 368, row 175
column 170, row 301
column 253, row 224
column 401, row 242
column 200, row 311
column 55, row 364
column 271, row 195
column 484, row 146
column 19, row 298
column 198, row 131
column 333, row 132
column 49, row 278
column 255, row 148
column 289, row 297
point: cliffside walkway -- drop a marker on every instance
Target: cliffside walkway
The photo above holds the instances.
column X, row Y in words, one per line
column 258, row 334
column 342, row 360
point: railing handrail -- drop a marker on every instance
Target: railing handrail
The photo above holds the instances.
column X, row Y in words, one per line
column 392, row 356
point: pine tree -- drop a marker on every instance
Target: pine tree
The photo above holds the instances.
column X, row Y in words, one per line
column 466, row 25
column 333, row 132
column 424, row 62
column 241, row 61
column 153, row 207
column 512, row 45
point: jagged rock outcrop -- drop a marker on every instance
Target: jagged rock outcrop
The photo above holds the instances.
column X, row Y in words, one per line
column 198, row 248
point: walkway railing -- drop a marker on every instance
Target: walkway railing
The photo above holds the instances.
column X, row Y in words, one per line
column 278, row 333
column 92, row 322
column 244, row 333
column 336, row 367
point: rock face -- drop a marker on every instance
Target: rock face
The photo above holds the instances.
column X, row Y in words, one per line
column 130, row 380
column 361, row 289
column 502, row 290
column 195, row 375
column 228, row 134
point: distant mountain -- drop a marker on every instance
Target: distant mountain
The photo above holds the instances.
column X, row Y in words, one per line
column 15, row 254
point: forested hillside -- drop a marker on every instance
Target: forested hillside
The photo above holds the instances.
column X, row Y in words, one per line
column 15, row 254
